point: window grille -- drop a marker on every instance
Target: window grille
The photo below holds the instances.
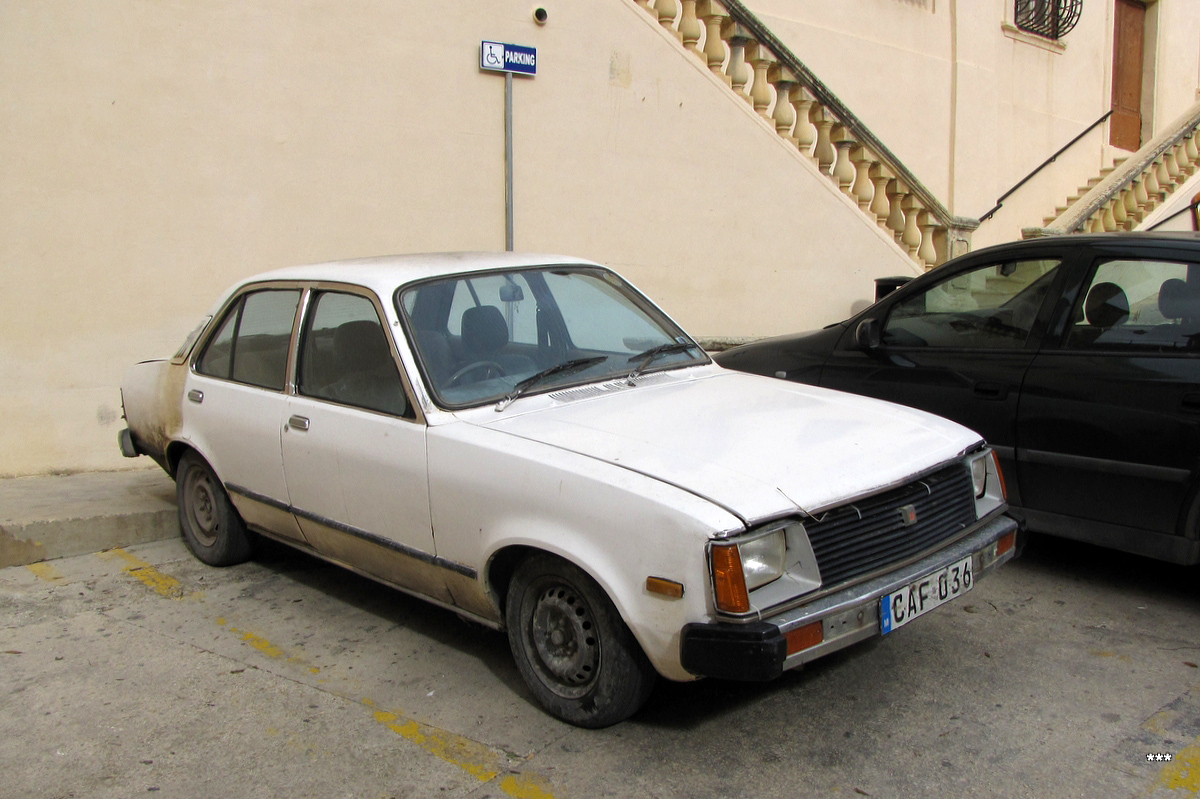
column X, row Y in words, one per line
column 1050, row 18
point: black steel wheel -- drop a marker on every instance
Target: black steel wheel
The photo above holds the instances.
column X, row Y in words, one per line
column 575, row 653
column 211, row 526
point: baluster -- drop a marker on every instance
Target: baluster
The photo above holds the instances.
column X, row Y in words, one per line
column 1118, row 212
column 714, row 48
column 895, row 220
column 1164, row 178
column 761, row 59
column 928, row 251
column 1132, row 213
column 738, row 72
column 911, row 238
column 690, row 30
column 667, row 11
column 784, row 115
column 649, row 8
column 863, row 188
column 1153, row 193
column 1107, row 220
column 880, row 205
column 1141, row 191
column 804, row 133
column 1173, row 171
column 824, row 151
column 1193, row 153
column 843, row 170
column 1096, row 223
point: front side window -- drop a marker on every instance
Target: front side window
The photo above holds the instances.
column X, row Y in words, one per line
column 345, row 355
column 1138, row 305
column 251, row 343
column 991, row 307
column 480, row 336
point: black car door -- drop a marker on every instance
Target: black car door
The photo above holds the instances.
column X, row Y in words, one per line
column 1110, row 417
column 958, row 346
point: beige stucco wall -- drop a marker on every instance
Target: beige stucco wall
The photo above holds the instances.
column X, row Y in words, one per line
column 970, row 108
column 155, row 152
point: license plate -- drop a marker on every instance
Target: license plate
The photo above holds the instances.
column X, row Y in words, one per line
column 921, row 596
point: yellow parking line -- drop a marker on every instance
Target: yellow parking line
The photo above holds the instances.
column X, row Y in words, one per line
column 145, row 573
column 44, row 571
column 1183, row 772
column 479, row 760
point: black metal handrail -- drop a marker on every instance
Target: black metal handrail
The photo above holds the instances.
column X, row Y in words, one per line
column 1044, row 164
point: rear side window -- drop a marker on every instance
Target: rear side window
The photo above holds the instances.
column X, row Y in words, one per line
column 1138, row 305
column 251, row 343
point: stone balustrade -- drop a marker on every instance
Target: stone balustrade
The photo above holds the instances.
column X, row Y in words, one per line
column 1126, row 195
column 727, row 40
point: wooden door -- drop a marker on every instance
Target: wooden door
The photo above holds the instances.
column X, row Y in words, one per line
column 1129, row 39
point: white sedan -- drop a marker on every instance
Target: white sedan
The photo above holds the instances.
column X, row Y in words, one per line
column 529, row 441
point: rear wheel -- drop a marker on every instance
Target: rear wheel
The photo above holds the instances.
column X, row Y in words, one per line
column 575, row 653
column 211, row 527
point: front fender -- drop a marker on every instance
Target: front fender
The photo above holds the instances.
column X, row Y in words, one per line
column 490, row 491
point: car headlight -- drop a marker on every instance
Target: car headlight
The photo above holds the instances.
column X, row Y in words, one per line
column 741, row 566
column 988, row 482
column 979, row 475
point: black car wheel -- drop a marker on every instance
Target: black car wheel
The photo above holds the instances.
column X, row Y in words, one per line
column 211, row 527
column 575, row 653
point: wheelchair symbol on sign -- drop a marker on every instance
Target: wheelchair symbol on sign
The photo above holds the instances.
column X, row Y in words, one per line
column 493, row 55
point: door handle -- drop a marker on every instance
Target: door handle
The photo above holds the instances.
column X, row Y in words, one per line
column 196, row 396
column 298, row 422
column 990, row 390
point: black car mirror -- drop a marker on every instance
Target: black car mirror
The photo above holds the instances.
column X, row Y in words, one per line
column 867, row 335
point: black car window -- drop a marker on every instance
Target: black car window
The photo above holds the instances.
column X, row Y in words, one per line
column 990, row 307
column 251, row 344
column 1133, row 304
column 345, row 356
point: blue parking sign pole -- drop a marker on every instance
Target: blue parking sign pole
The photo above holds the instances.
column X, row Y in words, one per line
column 508, row 59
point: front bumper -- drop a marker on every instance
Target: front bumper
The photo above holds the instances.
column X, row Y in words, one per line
column 759, row 650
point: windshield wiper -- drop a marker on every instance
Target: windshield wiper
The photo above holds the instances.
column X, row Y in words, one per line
column 646, row 358
column 529, row 382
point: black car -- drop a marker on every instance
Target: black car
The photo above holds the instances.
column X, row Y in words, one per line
column 1077, row 358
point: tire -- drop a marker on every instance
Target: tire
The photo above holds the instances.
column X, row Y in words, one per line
column 581, row 662
column 211, row 526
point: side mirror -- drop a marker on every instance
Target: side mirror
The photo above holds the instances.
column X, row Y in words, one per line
column 867, row 335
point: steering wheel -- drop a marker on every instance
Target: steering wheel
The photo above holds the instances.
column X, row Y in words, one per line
column 489, row 368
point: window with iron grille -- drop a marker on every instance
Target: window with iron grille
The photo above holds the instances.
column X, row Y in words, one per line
column 1050, row 18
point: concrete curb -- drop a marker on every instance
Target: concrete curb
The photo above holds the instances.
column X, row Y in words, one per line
column 42, row 518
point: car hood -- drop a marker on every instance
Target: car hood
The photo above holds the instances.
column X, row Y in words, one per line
column 757, row 446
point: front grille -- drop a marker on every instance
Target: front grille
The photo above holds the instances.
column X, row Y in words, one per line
column 869, row 534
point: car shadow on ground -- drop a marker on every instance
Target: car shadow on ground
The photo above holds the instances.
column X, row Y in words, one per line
column 1060, row 558
column 393, row 608
column 682, row 706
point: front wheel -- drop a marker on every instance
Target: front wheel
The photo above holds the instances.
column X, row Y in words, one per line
column 211, row 527
column 575, row 653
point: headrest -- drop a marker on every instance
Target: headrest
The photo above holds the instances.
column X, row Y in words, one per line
column 1106, row 305
column 484, row 330
column 360, row 346
column 1176, row 300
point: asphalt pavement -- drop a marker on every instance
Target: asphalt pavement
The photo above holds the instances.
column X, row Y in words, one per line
column 138, row 670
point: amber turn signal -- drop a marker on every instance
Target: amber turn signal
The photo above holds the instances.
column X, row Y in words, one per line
column 804, row 637
column 729, row 583
column 1005, row 543
column 659, row 585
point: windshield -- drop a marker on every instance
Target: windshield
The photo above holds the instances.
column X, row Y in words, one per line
column 481, row 337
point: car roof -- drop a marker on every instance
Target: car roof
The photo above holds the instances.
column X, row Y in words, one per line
column 384, row 273
column 1135, row 239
